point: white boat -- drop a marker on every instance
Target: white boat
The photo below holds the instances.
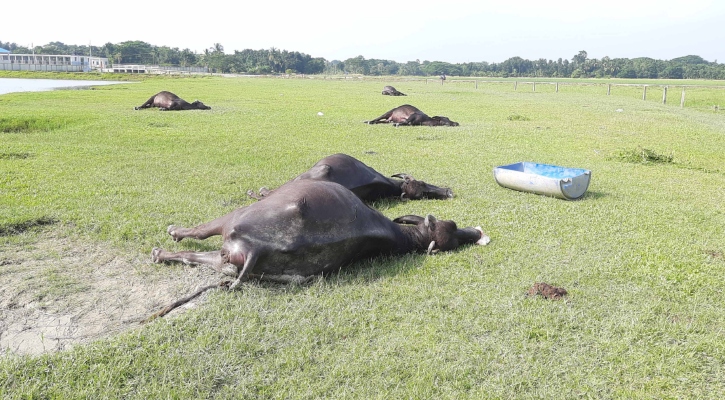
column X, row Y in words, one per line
column 548, row 180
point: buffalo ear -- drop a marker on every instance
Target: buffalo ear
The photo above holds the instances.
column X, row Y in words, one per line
column 409, row 219
column 430, row 221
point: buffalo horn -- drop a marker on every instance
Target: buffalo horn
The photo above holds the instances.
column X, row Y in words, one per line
column 430, row 246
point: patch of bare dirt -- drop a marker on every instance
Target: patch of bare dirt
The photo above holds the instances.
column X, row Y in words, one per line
column 59, row 292
column 715, row 254
column 547, row 291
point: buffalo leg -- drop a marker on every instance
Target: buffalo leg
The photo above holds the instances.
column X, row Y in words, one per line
column 211, row 258
column 201, row 232
column 147, row 104
column 383, row 119
column 249, row 261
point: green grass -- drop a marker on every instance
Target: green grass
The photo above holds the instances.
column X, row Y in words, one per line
column 640, row 254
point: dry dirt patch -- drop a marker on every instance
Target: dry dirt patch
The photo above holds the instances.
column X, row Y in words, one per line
column 58, row 292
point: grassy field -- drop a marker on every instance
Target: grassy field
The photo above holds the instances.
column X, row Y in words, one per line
column 642, row 255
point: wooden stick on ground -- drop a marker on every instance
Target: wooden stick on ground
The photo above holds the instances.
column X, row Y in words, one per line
column 167, row 309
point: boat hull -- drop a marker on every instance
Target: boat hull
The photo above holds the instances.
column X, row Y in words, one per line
column 544, row 179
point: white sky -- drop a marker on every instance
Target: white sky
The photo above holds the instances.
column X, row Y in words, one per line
column 454, row 31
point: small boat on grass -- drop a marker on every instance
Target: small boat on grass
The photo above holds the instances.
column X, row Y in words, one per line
column 545, row 179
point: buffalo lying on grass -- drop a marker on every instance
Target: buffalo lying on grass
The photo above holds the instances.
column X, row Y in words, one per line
column 391, row 91
column 409, row 115
column 365, row 182
column 167, row 101
column 306, row 228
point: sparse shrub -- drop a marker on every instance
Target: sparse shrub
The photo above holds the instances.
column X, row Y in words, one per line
column 641, row 155
column 517, row 117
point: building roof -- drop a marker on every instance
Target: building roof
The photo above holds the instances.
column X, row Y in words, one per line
column 4, row 51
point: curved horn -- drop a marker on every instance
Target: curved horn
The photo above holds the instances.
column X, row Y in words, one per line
column 403, row 176
column 430, row 247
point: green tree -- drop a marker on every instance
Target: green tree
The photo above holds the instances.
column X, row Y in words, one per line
column 134, row 52
column 356, row 65
column 579, row 59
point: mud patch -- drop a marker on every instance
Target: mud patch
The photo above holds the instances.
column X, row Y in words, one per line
column 547, row 291
column 715, row 254
column 57, row 292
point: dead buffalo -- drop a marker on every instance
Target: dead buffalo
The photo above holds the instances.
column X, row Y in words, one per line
column 308, row 227
column 391, row 91
column 409, row 115
column 166, row 101
column 365, row 182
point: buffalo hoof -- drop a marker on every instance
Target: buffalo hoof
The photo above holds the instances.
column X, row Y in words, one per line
column 449, row 193
column 253, row 195
column 171, row 230
column 230, row 270
column 155, row 255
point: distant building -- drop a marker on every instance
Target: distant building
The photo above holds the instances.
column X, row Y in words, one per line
column 50, row 62
column 65, row 63
column 153, row 69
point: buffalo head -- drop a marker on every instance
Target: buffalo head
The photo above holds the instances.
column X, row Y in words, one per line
column 200, row 106
column 442, row 235
column 442, row 121
column 414, row 189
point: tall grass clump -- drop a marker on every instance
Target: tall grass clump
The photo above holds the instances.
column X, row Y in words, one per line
column 644, row 156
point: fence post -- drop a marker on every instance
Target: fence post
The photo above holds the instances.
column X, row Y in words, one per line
column 557, row 87
column 609, row 89
column 534, row 87
column 644, row 94
column 682, row 99
column 664, row 95
column 516, row 83
column 476, row 84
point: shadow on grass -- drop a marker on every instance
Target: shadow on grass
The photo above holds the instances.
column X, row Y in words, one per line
column 593, row 195
column 24, row 226
column 14, row 156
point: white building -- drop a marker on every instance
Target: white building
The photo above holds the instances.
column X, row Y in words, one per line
column 47, row 62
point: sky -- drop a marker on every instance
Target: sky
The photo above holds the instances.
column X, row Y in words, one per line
column 454, row 31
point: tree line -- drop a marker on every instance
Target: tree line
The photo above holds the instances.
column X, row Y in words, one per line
column 276, row 61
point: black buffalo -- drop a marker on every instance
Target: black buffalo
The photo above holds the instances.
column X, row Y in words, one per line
column 308, row 227
column 409, row 115
column 166, row 101
column 365, row 182
column 391, row 91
